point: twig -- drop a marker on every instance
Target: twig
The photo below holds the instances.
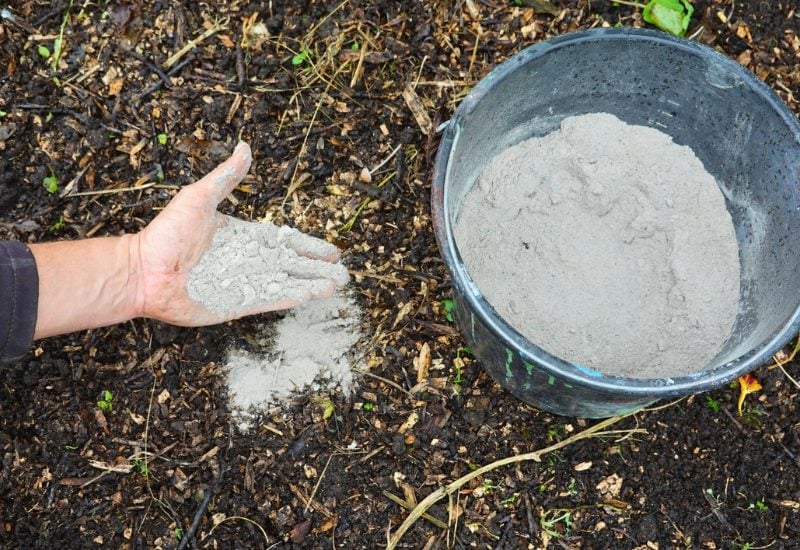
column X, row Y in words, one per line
column 189, row 535
column 172, row 72
column 536, row 456
column 408, row 506
column 384, row 161
column 733, row 419
column 191, row 44
column 386, row 381
column 152, row 66
column 113, row 191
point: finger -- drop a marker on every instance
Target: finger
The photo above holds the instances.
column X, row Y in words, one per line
column 310, row 269
column 308, row 246
column 221, row 181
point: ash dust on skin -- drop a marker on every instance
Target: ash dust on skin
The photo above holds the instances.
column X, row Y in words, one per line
column 50, row 431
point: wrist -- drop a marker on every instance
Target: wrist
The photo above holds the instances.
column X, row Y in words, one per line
column 134, row 290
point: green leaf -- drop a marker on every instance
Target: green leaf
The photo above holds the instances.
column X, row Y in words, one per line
column 56, row 51
column 43, row 51
column 50, row 183
column 301, row 57
column 327, row 409
column 3, row 114
column 368, row 406
column 354, row 46
column 107, row 395
column 449, row 307
column 671, row 16
column 162, row 139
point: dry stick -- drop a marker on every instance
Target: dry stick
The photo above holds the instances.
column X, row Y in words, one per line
column 408, row 506
column 191, row 44
column 200, row 511
column 536, row 456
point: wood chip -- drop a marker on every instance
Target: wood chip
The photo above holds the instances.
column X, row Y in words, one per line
column 417, row 109
column 423, row 363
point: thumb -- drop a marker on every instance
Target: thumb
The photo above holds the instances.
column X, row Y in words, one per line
column 220, row 182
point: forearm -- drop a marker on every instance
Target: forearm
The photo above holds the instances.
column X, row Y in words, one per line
column 86, row 284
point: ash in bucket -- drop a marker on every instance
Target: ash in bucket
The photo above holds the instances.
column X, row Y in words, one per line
column 607, row 245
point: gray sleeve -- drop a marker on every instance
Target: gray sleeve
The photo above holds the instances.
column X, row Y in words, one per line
column 19, row 299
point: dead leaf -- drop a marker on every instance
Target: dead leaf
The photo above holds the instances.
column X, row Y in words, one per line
column 423, row 363
column 217, row 518
column 115, row 87
column 414, row 103
column 179, row 479
column 163, row 397
column 610, row 486
column 412, row 419
column 300, row 531
column 542, row 6
column 226, row 41
column 583, row 466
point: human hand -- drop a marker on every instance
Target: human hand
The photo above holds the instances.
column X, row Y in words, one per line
column 290, row 268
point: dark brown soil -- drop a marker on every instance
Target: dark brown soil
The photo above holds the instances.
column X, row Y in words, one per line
column 692, row 475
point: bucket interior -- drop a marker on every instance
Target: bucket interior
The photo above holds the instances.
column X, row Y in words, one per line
column 702, row 100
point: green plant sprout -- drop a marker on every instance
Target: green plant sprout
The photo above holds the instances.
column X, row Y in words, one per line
column 672, row 16
column 105, row 403
column 302, row 57
column 551, row 519
column 368, row 406
column 758, row 506
column 510, row 501
column 50, row 182
column 354, row 46
column 712, row 404
column 141, row 464
column 449, row 307
column 43, row 51
column 58, row 226
column 58, row 43
column 162, row 138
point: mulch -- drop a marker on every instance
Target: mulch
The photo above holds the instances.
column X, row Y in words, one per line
column 124, row 115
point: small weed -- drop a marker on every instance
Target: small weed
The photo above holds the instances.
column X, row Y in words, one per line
column 759, row 506
column 552, row 433
column 48, row 118
column 43, row 51
column 105, row 403
column 712, row 403
column 510, row 501
column 162, row 138
column 458, row 365
column 178, row 533
column 368, row 406
column 488, row 486
column 302, row 57
column 556, row 523
column 58, row 226
column 449, row 307
column 159, row 173
column 354, row 46
column 141, row 465
column 51, row 183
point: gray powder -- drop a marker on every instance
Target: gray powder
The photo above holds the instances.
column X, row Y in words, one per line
column 311, row 350
column 252, row 264
column 607, row 245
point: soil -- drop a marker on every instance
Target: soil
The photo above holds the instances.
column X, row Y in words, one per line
column 163, row 462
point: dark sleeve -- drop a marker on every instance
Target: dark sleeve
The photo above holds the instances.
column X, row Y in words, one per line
column 19, row 299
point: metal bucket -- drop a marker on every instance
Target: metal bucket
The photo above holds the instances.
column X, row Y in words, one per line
column 745, row 137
